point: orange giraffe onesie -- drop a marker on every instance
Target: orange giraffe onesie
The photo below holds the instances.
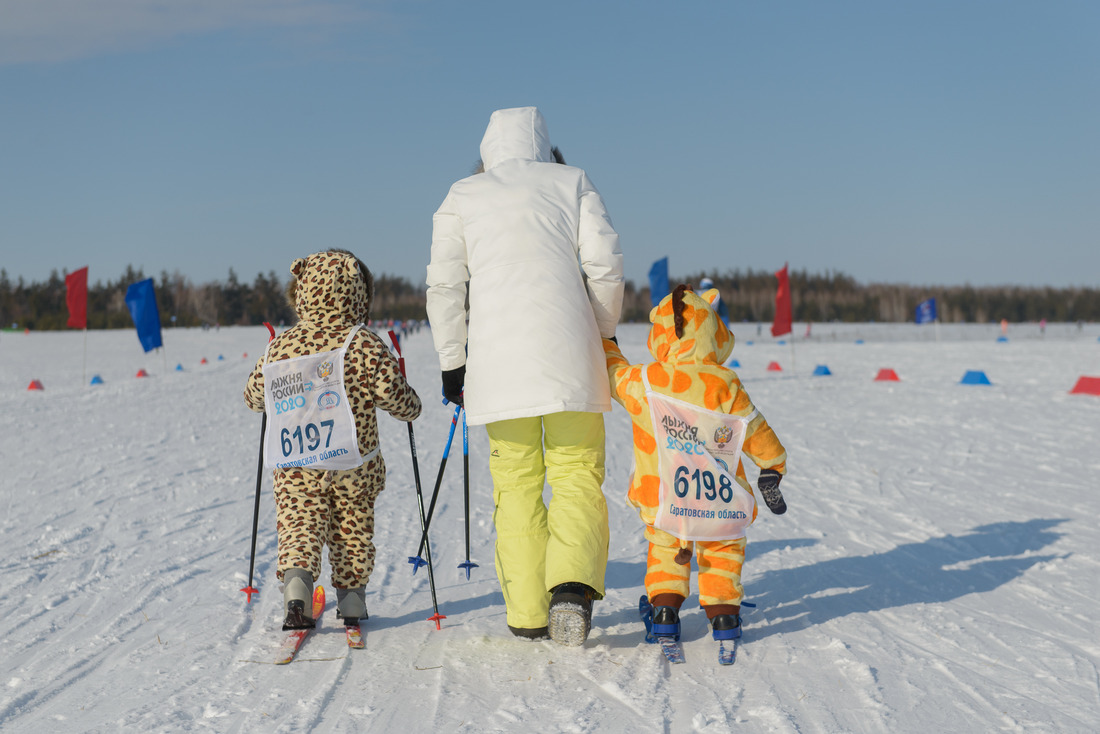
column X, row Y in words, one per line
column 688, row 367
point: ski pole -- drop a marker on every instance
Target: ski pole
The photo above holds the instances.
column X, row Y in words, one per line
column 466, row 493
column 417, row 561
column 437, row 617
column 249, row 590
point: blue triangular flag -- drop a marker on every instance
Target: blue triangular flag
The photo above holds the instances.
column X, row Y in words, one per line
column 142, row 302
column 658, row 281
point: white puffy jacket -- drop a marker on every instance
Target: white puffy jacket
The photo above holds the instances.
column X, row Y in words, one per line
column 525, row 234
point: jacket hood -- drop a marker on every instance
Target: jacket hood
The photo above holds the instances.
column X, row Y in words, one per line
column 515, row 133
column 330, row 288
column 705, row 339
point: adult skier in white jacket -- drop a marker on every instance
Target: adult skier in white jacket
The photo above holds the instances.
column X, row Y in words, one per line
column 529, row 241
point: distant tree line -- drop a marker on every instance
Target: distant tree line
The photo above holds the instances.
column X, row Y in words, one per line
column 42, row 306
column 749, row 296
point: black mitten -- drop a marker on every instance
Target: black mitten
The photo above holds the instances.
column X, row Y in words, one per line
column 768, row 484
column 452, row 384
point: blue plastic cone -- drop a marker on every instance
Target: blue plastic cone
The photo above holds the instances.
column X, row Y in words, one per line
column 97, row 380
column 821, row 370
column 975, row 377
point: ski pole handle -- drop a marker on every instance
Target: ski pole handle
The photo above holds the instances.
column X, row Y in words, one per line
column 397, row 348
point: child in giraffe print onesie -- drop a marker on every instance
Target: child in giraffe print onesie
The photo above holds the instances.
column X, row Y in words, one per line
column 320, row 383
column 692, row 419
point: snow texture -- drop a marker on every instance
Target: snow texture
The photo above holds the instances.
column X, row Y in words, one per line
column 938, row 568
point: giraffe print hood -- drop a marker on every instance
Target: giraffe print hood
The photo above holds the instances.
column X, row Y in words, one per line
column 704, row 340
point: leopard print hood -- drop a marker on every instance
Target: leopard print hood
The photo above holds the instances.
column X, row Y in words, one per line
column 705, row 339
column 331, row 288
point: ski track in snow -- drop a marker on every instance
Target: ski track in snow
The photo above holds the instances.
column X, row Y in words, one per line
column 937, row 569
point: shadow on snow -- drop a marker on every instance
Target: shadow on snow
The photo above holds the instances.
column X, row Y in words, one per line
column 935, row 570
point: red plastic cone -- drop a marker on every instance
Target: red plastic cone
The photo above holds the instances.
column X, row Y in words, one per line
column 774, row 367
column 142, row 373
column 35, row 385
column 203, row 361
column 887, row 375
column 1086, row 386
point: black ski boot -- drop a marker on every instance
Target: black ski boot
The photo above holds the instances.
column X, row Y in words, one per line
column 726, row 627
column 666, row 623
column 570, row 614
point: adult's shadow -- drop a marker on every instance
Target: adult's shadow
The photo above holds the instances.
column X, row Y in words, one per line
column 935, row 570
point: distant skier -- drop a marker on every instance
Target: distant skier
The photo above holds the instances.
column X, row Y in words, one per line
column 719, row 305
column 320, row 383
column 528, row 244
column 692, row 419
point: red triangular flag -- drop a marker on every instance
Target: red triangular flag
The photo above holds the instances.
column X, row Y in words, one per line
column 782, row 323
column 76, row 296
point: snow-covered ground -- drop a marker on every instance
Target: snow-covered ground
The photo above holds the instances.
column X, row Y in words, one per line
column 938, row 569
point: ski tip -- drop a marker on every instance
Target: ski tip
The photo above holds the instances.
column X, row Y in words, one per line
column 437, row 618
column 417, row 562
column 727, row 652
column 249, row 591
column 467, row 565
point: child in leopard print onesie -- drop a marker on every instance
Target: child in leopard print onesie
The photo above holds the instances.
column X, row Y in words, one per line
column 320, row 382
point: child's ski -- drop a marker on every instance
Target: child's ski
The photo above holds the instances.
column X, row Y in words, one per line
column 727, row 652
column 294, row 638
column 355, row 637
column 670, row 647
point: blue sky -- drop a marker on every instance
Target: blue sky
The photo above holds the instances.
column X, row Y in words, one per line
column 931, row 142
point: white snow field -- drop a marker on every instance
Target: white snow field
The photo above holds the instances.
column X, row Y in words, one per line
column 938, row 569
